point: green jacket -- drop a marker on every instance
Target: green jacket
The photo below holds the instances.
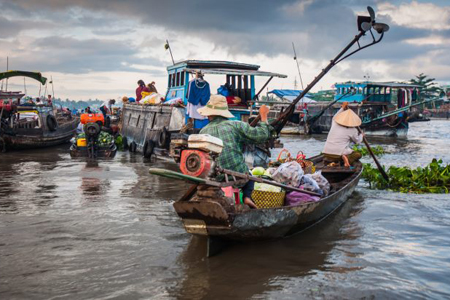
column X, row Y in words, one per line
column 236, row 134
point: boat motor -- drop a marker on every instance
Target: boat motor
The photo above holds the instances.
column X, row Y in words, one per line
column 199, row 158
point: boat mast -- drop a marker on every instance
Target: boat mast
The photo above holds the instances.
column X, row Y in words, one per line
column 7, row 67
column 53, row 90
column 298, row 66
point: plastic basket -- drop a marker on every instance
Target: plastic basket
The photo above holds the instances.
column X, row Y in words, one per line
column 264, row 199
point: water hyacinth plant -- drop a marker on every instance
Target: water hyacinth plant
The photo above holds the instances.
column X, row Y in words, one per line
column 433, row 178
column 377, row 150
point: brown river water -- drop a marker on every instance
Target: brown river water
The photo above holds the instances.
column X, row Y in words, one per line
column 72, row 229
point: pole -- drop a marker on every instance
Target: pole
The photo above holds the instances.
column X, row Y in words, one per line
column 7, row 67
column 170, row 50
column 298, row 67
column 380, row 168
column 283, row 118
column 53, row 90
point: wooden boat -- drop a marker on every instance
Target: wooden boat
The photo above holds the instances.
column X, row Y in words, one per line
column 212, row 218
column 31, row 125
column 148, row 127
column 371, row 101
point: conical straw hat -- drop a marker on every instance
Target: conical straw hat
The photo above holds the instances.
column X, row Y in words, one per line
column 216, row 106
column 348, row 118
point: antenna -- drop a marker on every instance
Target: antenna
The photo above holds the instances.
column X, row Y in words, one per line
column 298, row 67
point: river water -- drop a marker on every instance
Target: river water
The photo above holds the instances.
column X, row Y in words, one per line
column 70, row 229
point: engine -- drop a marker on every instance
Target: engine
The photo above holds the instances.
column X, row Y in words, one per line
column 197, row 155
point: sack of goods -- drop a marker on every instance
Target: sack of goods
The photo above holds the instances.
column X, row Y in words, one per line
column 296, row 198
column 104, row 139
column 289, row 173
column 152, row 98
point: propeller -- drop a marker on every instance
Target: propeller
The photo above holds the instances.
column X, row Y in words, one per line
column 371, row 13
column 380, row 27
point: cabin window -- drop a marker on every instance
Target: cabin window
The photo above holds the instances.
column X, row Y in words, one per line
column 178, row 79
column 365, row 90
column 388, row 90
column 173, row 79
column 170, row 80
column 183, row 75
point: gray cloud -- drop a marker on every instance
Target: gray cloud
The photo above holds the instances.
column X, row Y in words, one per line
column 70, row 55
column 241, row 27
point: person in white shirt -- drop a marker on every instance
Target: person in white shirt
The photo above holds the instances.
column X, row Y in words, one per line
column 343, row 131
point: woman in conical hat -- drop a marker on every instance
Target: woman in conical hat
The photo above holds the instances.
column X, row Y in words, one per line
column 343, row 131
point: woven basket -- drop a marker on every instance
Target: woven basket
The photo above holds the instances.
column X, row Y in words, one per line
column 308, row 166
column 264, row 199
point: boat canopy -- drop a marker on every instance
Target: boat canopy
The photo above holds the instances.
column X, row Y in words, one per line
column 222, row 67
column 35, row 75
column 235, row 72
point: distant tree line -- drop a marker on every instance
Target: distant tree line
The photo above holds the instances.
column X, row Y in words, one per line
column 78, row 104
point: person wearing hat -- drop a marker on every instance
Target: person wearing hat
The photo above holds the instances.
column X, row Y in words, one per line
column 234, row 134
column 343, row 131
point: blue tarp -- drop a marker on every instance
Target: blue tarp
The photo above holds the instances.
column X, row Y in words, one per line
column 290, row 95
column 283, row 93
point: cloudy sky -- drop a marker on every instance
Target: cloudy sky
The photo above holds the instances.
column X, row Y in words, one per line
column 99, row 49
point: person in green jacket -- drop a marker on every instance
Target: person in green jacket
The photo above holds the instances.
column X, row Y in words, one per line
column 234, row 134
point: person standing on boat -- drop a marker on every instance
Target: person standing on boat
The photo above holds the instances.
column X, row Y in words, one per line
column 107, row 107
column 234, row 134
column 141, row 88
column 49, row 100
column 343, row 131
column 198, row 94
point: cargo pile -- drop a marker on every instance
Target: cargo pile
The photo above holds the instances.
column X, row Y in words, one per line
column 292, row 174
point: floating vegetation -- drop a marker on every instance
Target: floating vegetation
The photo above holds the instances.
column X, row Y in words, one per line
column 377, row 150
column 434, row 178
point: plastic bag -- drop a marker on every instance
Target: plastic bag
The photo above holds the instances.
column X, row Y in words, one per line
column 289, row 173
column 296, row 198
column 322, row 182
column 308, row 183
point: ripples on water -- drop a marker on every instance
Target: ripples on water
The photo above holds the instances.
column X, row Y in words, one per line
column 107, row 230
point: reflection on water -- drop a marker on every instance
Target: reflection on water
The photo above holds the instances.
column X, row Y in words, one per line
column 259, row 268
column 70, row 228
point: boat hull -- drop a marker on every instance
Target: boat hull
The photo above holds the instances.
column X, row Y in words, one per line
column 210, row 218
column 39, row 138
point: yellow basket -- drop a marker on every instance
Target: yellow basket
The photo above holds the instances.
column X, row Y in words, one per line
column 264, row 199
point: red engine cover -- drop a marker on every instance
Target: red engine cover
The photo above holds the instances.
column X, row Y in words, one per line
column 196, row 163
column 7, row 105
